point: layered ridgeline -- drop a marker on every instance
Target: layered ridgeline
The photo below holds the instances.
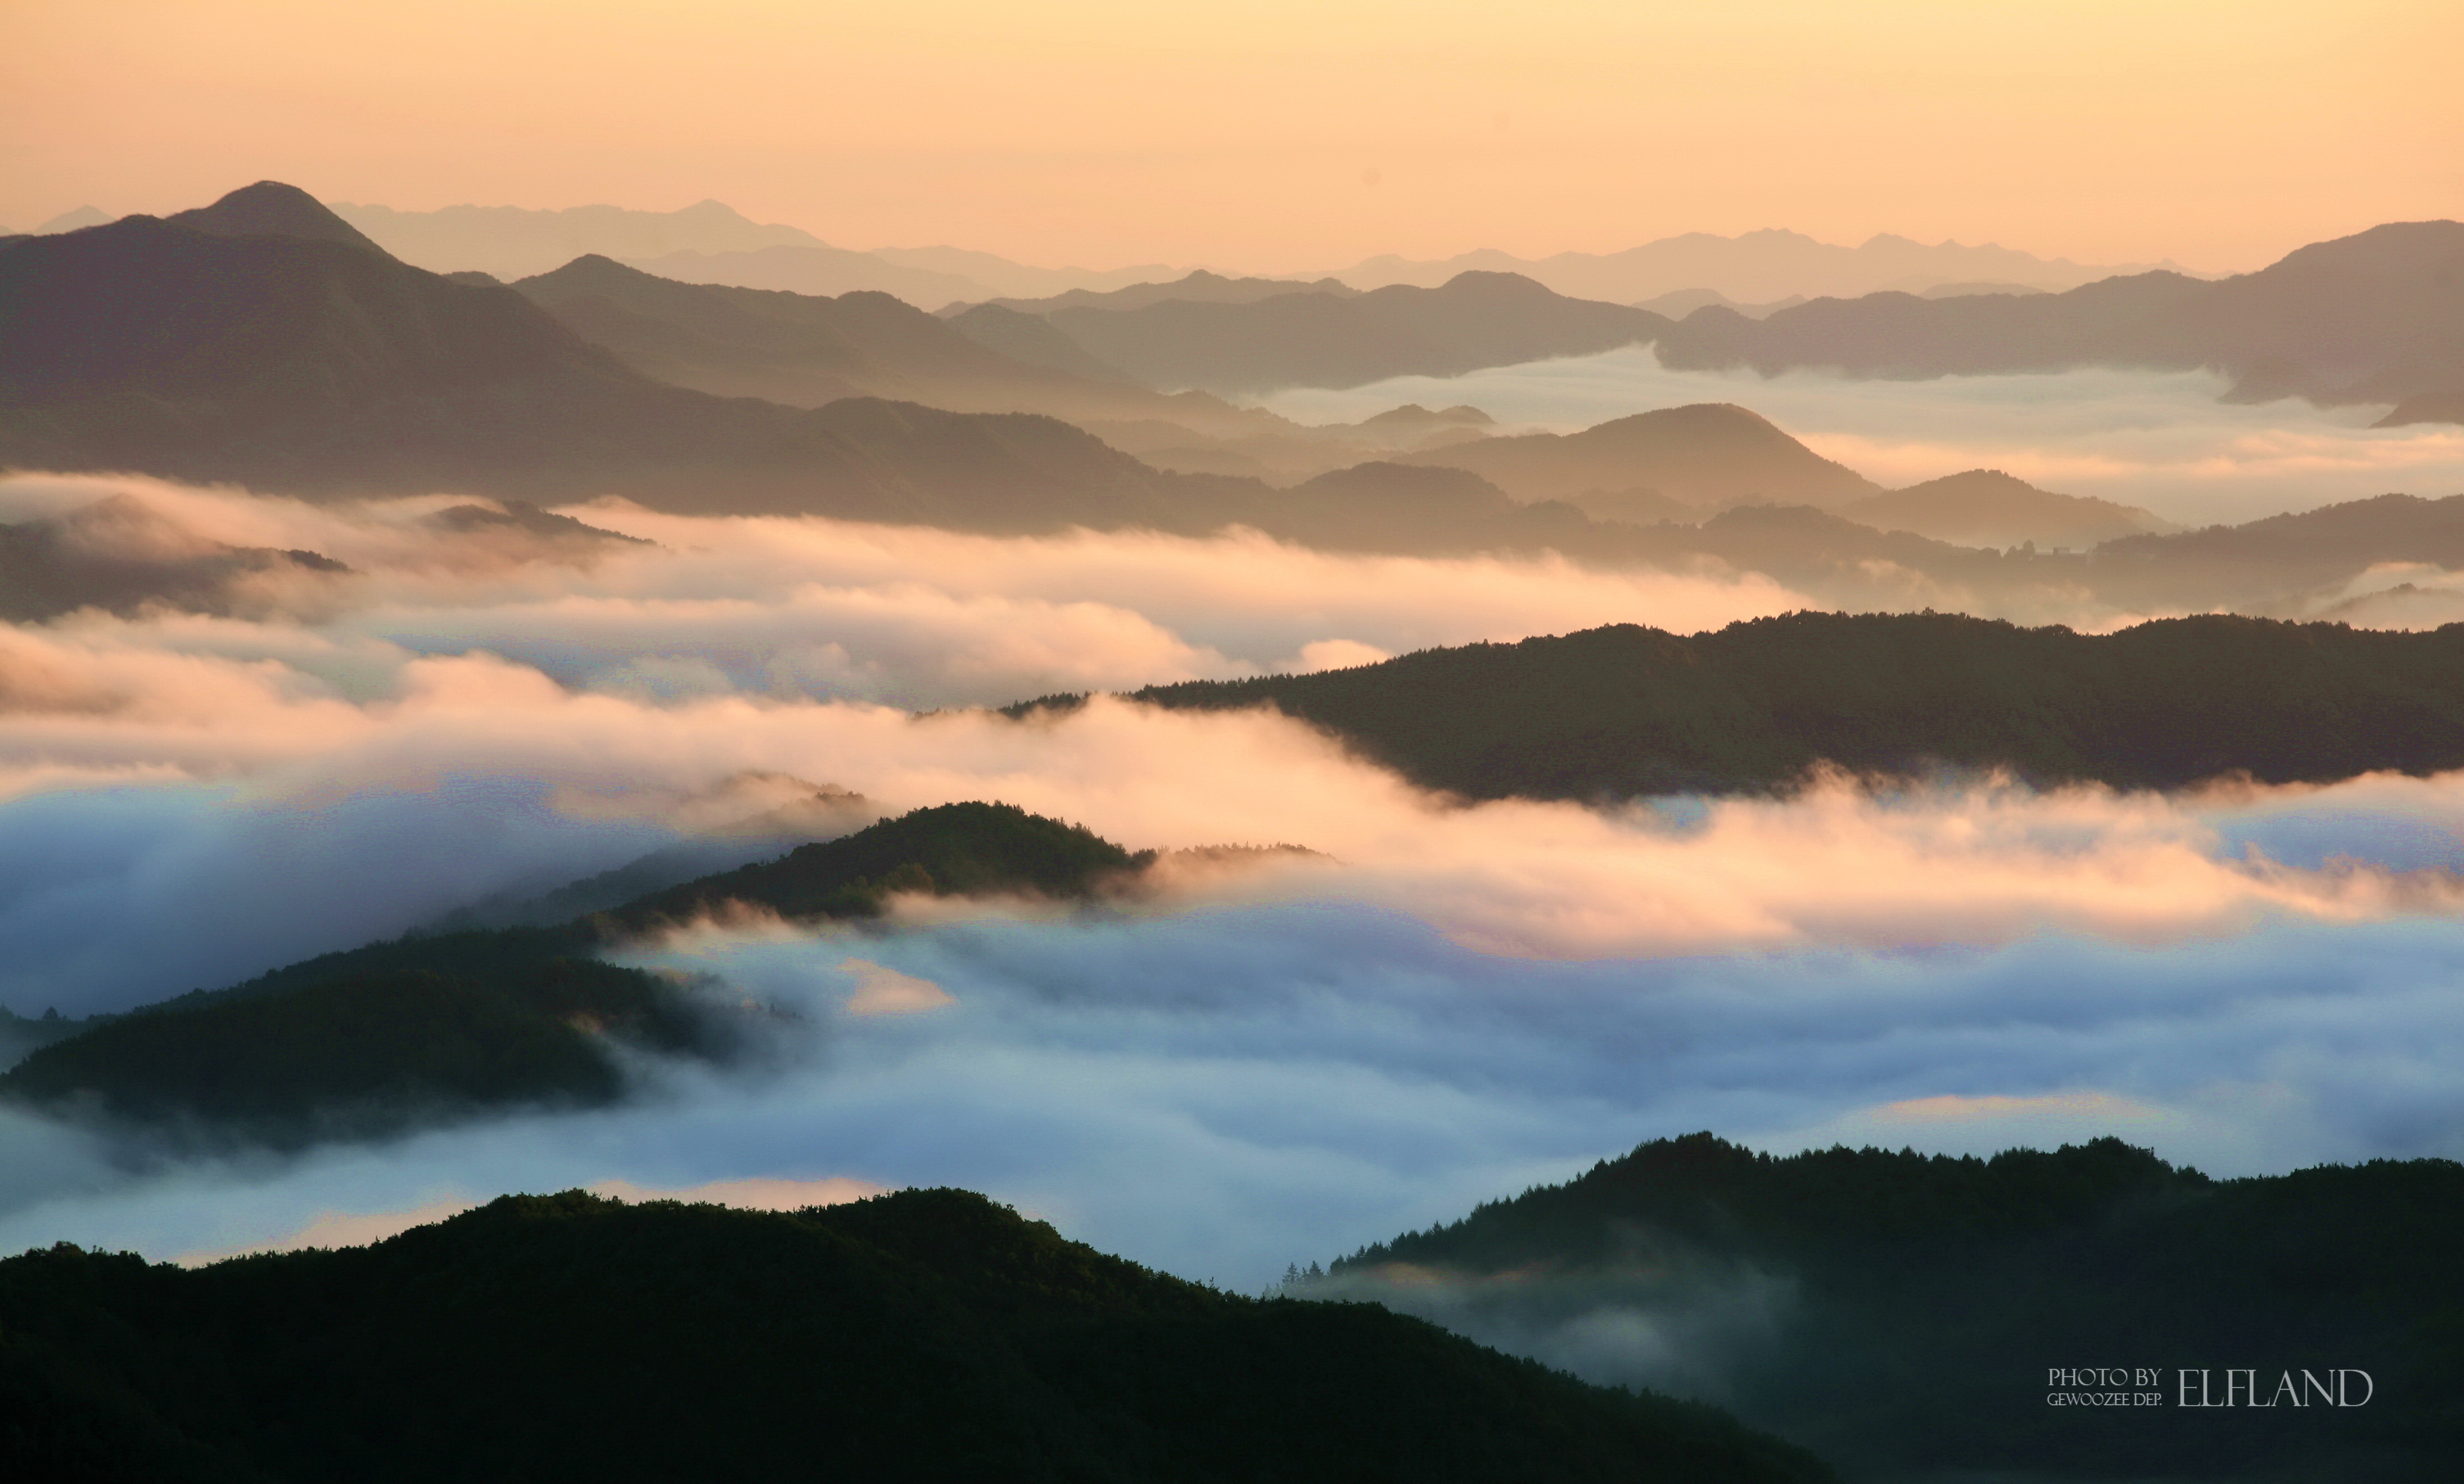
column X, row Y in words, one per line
column 261, row 340
column 923, row 1334
column 2375, row 316
column 1901, row 1314
column 1258, row 335
column 1624, row 711
column 434, row 1028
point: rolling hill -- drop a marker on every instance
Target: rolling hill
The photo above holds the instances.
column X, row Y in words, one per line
column 1986, row 507
column 1618, row 712
column 1958, row 1290
column 1708, row 456
column 920, row 1334
column 378, row 1040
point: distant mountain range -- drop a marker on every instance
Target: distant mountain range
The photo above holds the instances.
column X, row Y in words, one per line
column 265, row 341
column 1263, row 337
column 1755, row 267
column 710, row 242
column 706, row 242
column 2376, row 316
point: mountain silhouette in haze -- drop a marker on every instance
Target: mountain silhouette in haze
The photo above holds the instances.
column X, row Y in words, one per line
column 1314, row 337
column 1708, row 454
column 1755, row 267
column 1198, row 287
column 2376, row 316
column 806, row 350
column 1986, row 507
column 270, row 209
column 511, row 242
column 302, row 360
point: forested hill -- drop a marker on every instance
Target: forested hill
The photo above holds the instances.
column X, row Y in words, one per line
column 1949, row 1286
column 378, row 1039
column 1624, row 711
column 925, row 1334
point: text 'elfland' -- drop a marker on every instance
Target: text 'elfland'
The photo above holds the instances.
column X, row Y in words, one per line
column 2115, row 1385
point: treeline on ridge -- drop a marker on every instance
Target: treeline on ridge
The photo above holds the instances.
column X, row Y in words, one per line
column 1624, row 711
column 922, row 1334
column 385, row 1037
column 1912, row 1304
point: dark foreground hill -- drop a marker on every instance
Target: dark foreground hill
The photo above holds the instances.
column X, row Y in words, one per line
column 1901, row 1313
column 1622, row 711
column 424, row 1030
column 925, row 1334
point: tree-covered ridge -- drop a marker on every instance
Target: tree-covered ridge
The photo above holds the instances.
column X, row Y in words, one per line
column 362, row 1054
column 1624, row 710
column 1951, row 1285
column 379, row 1038
column 924, row 1335
column 949, row 849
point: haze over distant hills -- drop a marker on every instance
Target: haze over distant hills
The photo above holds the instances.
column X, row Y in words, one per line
column 1986, row 507
column 706, row 242
column 710, row 242
column 263, row 340
column 1705, row 456
column 2375, row 316
column 1312, row 336
column 1753, row 267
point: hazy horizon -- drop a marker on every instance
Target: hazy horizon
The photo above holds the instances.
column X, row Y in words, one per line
column 1284, row 138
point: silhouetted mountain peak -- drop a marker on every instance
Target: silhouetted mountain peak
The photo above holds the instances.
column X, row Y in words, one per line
column 2433, row 249
column 1484, row 284
column 271, row 208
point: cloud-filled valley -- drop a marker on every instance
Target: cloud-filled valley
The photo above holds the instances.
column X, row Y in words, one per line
column 2163, row 441
column 1445, row 1003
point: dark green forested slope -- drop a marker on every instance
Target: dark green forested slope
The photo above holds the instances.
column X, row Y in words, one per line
column 384, row 1037
column 1625, row 710
column 921, row 1335
column 1946, row 1288
column 950, row 850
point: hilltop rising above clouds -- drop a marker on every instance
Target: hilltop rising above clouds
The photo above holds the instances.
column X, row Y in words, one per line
column 1623, row 711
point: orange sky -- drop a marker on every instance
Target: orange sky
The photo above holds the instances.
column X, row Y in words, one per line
column 1270, row 134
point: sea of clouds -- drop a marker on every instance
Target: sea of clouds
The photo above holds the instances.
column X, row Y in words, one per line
column 1247, row 1065
column 2165, row 441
